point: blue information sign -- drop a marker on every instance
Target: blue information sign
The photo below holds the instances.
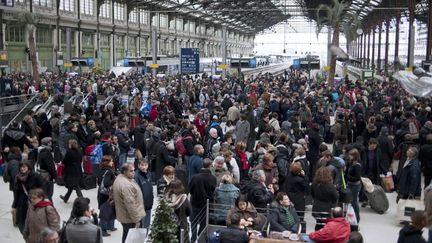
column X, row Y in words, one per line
column 189, row 60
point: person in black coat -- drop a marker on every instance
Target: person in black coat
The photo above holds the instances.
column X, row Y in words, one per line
column 409, row 185
column 138, row 137
column 258, row 194
column 14, row 137
column 144, row 180
column 201, row 188
column 107, row 177
column 296, row 186
column 283, row 215
column 412, row 233
column 25, row 180
column 12, row 169
column 387, row 149
column 371, row 164
column 46, row 163
column 324, row 194
column 124, row 142
column 314, row 143
column 425, row 157
column 163, row 157
column 72, row 170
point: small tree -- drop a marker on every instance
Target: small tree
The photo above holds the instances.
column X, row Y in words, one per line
column 332, row 16
column 163, row 229
column 29, row 21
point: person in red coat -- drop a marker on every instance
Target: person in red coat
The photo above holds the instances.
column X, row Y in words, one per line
column 336, row 229
column 200, row 124
column 154, row 113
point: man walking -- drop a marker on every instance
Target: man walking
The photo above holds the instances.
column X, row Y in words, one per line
column 128, row 199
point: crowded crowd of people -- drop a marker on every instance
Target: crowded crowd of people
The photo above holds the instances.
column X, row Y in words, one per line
column 247, row 143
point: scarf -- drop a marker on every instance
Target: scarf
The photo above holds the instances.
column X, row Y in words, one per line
column 44, row 203
column 243, row 159
column 175, row 201
column 289, row 216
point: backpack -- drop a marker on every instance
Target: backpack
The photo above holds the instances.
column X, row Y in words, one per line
column 62, row 232
column 413, row 128
column 179, row 144
column 96, row 154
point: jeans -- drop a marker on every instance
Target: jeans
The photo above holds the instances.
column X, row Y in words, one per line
column 355, row 190
column 430, row 236
column 69, row 192
column 122, row 159
column 126, row 228
column 106, row 224
column 145, row 222
column 49, row 189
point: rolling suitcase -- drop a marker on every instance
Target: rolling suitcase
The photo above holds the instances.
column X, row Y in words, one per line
column 378, row 199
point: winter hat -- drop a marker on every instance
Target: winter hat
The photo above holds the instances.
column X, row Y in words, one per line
column 213, row 133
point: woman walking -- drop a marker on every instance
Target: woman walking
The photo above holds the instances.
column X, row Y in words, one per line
column 354, row 179
column 25, row 180
column 72, row 170
column 40, row 214
column 177, row 199
column 104, row 197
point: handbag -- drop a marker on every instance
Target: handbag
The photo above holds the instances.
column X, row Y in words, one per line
column 405, row 207
column 387, row 182
column 350, row 216
column 136, row 235
column 345, row 195
column 102, row 188
column 60, row 173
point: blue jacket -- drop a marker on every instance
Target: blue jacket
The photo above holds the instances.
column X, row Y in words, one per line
column 194, row 166
column 410, row 179
column 144, row 181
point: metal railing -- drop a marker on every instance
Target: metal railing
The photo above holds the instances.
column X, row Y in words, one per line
column 23, row 109
column 212, row 211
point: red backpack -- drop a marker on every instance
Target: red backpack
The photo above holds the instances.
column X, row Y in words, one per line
column 179, row 144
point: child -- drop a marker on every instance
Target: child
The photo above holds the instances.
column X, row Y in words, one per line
column 144, row 180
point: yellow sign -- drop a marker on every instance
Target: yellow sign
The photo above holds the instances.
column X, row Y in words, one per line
column 326, row 68
column 223, row 66
column 409, row 69
column 67, row 64
column 154, row 65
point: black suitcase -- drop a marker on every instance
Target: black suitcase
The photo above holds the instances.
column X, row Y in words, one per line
column 88, row 182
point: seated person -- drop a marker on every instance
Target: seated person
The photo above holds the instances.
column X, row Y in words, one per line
column 250, row 218
column 283, row 215
column 169, row 175
column 412, row 232
column 335, row 230
column 235, row 232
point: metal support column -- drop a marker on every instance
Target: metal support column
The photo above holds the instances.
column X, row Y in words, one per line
column 368, row 50
column 411, row 31
column 387, row 39
column 224, row 48
column 364, row 50
column 373, row 49
column 154, row 48
column 361, row 50
column 429, row 35
column 396, row 53
column 379, row 48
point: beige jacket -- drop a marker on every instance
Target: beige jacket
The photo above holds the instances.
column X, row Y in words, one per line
column 128, row 200
column 37, row 219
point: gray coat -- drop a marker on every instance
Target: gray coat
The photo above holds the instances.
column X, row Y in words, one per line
column 242, row 131
column 83, row 230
